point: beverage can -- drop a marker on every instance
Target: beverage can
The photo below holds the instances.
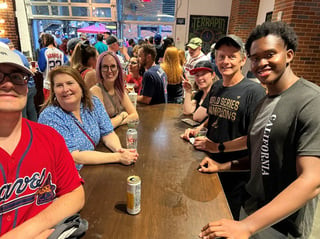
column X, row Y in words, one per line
column 133, row 98
column 133, row 194
column 132, row 138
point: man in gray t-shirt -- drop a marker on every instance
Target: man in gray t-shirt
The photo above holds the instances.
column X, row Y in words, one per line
column 283, row 143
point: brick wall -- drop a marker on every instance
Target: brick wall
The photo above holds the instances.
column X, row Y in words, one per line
column 304, row 17
column 243, row 17
column 10, row 25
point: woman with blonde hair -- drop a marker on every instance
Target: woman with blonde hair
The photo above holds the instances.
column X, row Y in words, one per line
column 135, row 50
column 182, row 57
column 84, row 59
column 82, row 120
column 174, row 71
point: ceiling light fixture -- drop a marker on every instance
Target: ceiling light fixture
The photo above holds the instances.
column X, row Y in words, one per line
column 3, row 5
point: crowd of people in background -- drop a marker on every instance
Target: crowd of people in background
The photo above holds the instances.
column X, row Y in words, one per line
column 86, row 87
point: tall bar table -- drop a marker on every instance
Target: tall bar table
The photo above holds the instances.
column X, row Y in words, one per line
column 176, row 200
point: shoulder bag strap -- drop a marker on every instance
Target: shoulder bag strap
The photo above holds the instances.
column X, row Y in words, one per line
column 85, row 133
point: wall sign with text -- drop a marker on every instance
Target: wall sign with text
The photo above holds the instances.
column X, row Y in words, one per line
column 208, row 28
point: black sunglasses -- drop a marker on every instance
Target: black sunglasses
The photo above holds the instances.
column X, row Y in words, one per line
column 15, row 77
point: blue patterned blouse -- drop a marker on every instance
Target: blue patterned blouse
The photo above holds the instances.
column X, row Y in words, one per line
column 95, row 123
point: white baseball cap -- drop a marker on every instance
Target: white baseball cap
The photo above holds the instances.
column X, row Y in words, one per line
column 4, row 45
column 9, row 57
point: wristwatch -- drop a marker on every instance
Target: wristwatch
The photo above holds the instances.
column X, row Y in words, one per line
column 221, row 147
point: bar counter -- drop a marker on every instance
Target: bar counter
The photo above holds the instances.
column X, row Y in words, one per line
column 176, row 200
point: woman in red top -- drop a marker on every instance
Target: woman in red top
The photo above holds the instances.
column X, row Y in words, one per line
column 134, row 75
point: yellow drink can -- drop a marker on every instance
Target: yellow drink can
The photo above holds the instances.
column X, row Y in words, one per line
column 133, row 194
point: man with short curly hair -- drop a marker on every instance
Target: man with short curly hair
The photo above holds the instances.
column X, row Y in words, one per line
column 283, row 142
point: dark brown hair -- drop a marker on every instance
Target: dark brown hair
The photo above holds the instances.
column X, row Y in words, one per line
column 81, row 55
column 149, row 49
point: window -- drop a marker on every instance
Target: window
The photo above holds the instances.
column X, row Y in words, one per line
column 84, row 1
column 60, row 11
column 80, row 11
column 100, row 1
column 97, row 10
column 40, row 10
column 101, row 12
column 57, row 0
column 155, row 10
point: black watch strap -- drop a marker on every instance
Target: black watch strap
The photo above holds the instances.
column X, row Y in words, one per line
column 221, row 147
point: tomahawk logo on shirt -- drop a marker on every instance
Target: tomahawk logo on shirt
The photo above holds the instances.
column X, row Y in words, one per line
column 40, row 186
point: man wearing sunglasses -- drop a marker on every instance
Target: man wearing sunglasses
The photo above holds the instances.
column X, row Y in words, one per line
column 39, row 183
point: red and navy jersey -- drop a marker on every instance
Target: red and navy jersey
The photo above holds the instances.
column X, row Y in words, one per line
column 49, row 58
column 39, row 170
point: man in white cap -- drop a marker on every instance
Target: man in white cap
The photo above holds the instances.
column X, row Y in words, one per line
column 40, row 185
column 194, row 56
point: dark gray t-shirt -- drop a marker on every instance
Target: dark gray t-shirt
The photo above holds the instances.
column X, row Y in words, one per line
column 260, row 132
column 285, row 126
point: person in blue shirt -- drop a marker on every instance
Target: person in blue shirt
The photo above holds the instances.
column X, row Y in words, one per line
column 82, row 120
column 100, row 46
column 29, row 110
column 154, row 81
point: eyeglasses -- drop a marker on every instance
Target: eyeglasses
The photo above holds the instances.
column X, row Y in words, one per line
column 133, row 63
column 15, row 77
column 111, row 67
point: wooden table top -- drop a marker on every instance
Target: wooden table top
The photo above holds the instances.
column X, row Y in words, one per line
column 176, row 200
